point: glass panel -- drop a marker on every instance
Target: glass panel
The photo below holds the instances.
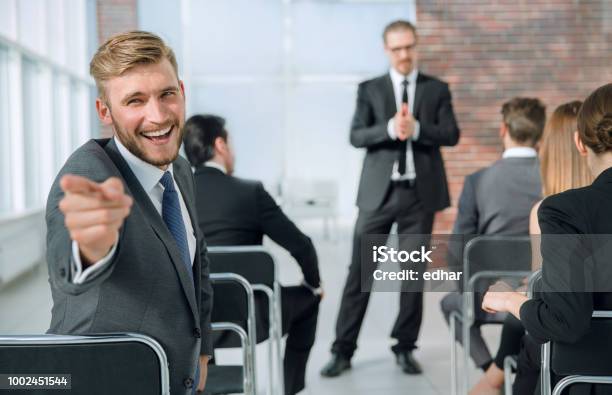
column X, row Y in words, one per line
column 76, row 33
column 31, row 105
column 7, row 18
column 254, row 115
column 5, row 170
column 318, row 138
column 61, row 124
column 30, row 19
column 332, row 37
column 236, row 37
column 56, row 34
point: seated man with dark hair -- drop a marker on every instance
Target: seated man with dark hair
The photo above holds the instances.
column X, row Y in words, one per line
column 233, row 211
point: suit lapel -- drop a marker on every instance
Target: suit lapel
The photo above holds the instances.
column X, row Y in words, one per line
column 388, row 96
column 183, row 179
column 157, row 223
column 418, row 94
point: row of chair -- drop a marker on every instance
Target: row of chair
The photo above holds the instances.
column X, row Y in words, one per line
column 483, row 257
column 130, row 363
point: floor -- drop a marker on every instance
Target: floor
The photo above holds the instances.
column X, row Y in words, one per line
column 25, row 309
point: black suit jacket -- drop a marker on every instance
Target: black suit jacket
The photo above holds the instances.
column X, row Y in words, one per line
column 576, row 227
column 434, row 111
column 233, row 211
column 570, row 217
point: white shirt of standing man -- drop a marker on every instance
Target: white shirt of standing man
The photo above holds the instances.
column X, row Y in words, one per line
column 401, row 49
column 145, row 106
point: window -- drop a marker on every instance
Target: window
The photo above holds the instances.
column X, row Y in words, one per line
column 44, row 47
column 5, row 196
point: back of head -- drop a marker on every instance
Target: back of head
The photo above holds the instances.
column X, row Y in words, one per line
column 562, row 167
column 122, row 52
column 524, row 118
column 201, row 131
column 595, row 120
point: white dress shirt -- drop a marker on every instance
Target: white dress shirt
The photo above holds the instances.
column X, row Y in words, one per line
column 149, row 177
column 398, row 88
column 520, row 152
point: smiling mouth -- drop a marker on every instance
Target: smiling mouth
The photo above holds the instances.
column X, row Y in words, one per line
column 159, row 136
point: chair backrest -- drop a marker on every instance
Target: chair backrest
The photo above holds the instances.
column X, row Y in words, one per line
column 495, row 253
column 584, row 361
column 254, row 263
column 486, row 259
column 122, row 363
column 233, row 302
column 588, row 356
column 257, row 266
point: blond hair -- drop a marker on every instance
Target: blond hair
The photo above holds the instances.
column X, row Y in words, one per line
column 561, row 165
column 125, row 51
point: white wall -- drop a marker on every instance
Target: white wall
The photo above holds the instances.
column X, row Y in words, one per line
column 284, row 75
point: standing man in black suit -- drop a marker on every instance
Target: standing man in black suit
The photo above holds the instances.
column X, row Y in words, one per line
column 233, row 211
column 402, row 118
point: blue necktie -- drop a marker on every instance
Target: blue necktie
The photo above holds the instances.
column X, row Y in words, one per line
column 171, row 213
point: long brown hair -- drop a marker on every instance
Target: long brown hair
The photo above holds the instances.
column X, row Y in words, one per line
column 561, row 165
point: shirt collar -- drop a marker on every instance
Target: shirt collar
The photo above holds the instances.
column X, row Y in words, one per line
column 147, row 174
column 216, row 165
column 397, row 77
column 520, row 152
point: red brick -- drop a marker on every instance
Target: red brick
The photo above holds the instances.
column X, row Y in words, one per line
column 489, row 52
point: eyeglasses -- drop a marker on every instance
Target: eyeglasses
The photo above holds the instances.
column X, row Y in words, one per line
column 398, row 50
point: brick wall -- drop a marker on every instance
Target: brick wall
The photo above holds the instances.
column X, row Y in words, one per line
column 489, row 51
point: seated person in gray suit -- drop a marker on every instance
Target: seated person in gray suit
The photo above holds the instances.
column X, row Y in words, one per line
column 235, row 211
column 498, row 198
column 123, row 247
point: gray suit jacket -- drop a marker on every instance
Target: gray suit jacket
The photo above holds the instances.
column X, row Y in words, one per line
column 499, row 198
column 145, row 288
column 433, row 109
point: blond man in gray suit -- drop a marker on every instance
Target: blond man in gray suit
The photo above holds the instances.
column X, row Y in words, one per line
column 125, row 253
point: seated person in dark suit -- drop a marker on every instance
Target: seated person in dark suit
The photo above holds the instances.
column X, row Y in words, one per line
column 233, row 211
column 497, row 200
column 574, row 284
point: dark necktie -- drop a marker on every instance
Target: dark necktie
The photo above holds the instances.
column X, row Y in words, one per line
column 171, row 213
column 401, row 166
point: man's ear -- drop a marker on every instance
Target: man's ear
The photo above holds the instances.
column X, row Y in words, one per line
column 220, row 145
column 503, row 130
column 182, row 87
column 580, row 146
column 103, row 112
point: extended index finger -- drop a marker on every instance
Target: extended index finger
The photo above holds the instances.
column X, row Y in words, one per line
column 112, row 189
column 71, row 183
